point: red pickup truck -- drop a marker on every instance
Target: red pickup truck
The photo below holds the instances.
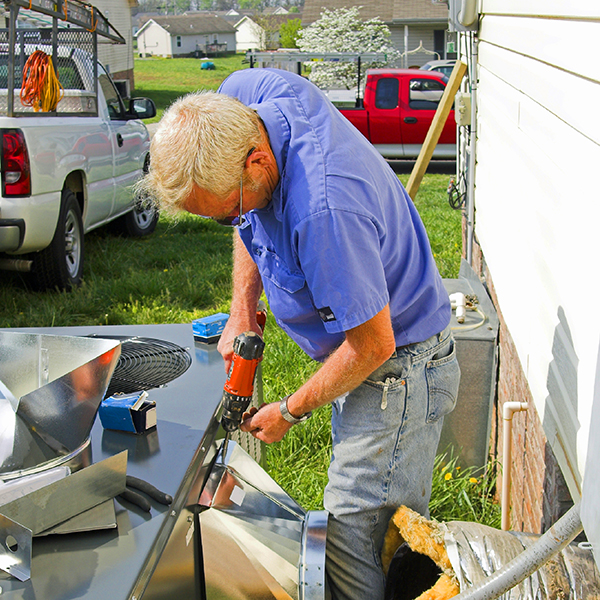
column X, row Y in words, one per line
column 397, row 110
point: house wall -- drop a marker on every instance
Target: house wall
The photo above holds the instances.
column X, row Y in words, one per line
column 154, row 41
column 248, row 36
column 416, row 35
column 538, row 147
column 117, row 58
column 191, row 43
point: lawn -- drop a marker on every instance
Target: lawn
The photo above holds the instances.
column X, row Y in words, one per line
column 166, row 79
column 182, row 272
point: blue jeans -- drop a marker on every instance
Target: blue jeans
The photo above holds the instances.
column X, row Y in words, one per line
column 385, row 436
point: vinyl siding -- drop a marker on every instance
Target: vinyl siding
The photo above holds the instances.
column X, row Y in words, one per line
column 116, row 57
column 537, row 202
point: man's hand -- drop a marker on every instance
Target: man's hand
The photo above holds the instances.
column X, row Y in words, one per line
column 265, row 423
column 234, row 327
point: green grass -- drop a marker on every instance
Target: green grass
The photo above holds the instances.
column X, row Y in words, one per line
column 442, row 223
column 183, row 271
column 166, row 79
column 179, row 273
column 464, row 494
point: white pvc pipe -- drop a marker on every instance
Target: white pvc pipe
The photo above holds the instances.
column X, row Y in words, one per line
column 508, row 410
column 564, row 531
column 472, row 159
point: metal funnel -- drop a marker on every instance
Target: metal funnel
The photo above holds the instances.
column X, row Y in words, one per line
column 58, row 383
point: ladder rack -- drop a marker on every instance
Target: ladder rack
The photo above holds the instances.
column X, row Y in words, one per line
column 75, row 12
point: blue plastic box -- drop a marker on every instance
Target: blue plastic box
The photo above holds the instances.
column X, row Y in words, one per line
column 128, row 412
column 209, row 329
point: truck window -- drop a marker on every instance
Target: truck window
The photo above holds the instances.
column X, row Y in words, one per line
column 113, row 100
column 68, row 75
column 425, row 94
column 386, row 93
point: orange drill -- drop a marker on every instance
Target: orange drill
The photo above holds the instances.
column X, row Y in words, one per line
column 237, row 393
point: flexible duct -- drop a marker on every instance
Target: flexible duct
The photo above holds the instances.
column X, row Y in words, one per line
column 530, row 560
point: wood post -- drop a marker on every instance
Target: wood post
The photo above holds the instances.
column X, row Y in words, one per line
column 435, row 130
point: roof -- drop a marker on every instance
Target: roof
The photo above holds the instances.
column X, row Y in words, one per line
column 192, row 24
column 389, row 11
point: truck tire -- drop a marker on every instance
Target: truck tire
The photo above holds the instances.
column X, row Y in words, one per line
column 141, row 220
column 60, row 265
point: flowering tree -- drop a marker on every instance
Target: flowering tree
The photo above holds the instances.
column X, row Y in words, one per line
column 342, row 30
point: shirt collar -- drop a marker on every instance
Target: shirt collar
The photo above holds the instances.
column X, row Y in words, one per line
column 279, row 132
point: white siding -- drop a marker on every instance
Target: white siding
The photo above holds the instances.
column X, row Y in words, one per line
column 155, row 41
column 116, row 57
column 537, row 202
column 416, row 35
column 249, row 36
column 191, row 43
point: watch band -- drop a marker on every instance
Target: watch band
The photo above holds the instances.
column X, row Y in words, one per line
column 285, row 413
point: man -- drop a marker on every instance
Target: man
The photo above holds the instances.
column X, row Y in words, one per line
column 327, row 231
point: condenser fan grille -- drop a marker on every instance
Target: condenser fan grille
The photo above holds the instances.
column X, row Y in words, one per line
column 147, row 363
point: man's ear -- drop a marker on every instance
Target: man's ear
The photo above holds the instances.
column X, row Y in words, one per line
column 259, row 158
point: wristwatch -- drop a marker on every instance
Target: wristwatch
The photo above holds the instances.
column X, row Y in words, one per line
column 289, row 417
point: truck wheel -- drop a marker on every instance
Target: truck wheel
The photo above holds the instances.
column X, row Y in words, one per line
column 141, row 220
column 60, row 265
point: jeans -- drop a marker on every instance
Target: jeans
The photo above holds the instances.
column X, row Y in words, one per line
column 385, row 436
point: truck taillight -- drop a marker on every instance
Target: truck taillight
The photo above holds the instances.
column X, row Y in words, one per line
column 16, row 174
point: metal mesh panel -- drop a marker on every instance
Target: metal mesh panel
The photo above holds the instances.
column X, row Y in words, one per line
column 72, row 53
column 147, row 363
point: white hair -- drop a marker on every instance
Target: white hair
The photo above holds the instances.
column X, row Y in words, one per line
column 203, row 139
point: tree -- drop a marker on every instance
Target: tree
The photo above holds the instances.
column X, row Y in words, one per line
column 288, row 33
column 342, row 30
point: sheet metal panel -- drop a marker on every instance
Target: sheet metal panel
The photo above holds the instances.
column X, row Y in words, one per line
column 118, row 563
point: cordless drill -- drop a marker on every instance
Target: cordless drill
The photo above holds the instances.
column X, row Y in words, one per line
column 237, row 393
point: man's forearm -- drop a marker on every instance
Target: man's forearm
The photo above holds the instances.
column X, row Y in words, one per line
column 247, row 288
column 247, row 285
column 365, row 349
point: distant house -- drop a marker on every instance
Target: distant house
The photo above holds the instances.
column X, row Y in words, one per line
column 260, row 31
column 418, row 27
column 186, row 35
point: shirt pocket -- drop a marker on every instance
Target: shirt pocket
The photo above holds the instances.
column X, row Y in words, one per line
column 443, row 378
column 275, row 269
column 286, row 290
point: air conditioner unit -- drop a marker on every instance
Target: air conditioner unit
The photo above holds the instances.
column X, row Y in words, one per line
column 466, row 430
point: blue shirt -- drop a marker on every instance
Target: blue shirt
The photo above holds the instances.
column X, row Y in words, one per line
column 340, row 238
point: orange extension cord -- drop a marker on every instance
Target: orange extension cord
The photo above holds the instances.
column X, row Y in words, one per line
column 41, row 88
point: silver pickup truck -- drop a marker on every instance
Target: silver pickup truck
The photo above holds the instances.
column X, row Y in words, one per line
column 67, row 171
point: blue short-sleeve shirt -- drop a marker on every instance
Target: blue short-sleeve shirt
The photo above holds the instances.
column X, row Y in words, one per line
column 340, row 238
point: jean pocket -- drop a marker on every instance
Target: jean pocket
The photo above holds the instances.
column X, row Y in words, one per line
column 443, row 378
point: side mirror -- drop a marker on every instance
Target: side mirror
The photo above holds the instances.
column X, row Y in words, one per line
column 142, row 108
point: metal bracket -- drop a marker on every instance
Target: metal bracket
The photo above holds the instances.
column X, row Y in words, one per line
column 15, row 548
column 45, row 508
